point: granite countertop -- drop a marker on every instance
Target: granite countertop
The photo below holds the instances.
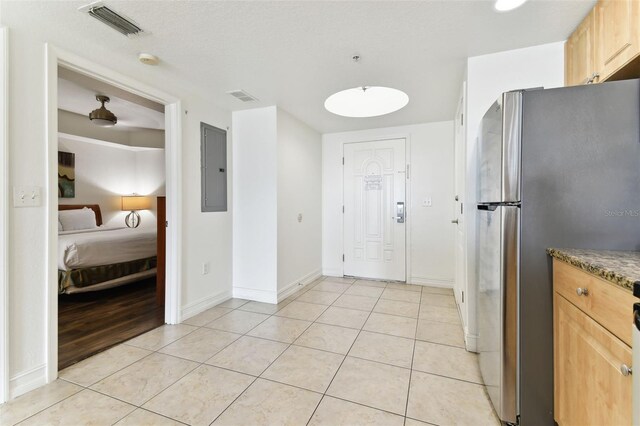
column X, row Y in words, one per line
column 622, row 268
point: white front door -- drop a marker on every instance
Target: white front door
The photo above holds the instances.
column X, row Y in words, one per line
column 374, row 200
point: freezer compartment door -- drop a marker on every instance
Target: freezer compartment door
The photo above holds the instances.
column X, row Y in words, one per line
column 499, row 146
column 497, row 279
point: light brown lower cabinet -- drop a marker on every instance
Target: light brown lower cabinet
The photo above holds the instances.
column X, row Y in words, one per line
column 590, row 384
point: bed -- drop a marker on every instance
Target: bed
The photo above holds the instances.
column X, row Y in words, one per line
column 100, row 257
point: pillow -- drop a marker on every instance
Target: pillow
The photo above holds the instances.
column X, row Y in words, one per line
column 74, row 220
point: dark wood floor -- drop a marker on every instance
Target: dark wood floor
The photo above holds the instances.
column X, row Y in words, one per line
column 93, row 322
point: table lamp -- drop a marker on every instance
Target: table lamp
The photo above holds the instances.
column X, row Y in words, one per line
column 133, row 203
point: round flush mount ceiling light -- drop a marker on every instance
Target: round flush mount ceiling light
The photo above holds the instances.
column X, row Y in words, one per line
column 507, row 5
column 366, row 101
column 148, row 59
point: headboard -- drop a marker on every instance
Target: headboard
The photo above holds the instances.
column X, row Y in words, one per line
column 94, row 207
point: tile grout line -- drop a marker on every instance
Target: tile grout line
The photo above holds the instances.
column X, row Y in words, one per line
column 278, row 357
column 345, row 355
column 83, row 387
column 46, row 408
column 293, row 343
column 152, row 412
column 218, row 351
column 413, row 356
column 315, row 321
column 343, row 360
column 181, row 377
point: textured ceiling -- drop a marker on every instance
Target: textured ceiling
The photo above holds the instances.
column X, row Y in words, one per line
column 295, row 54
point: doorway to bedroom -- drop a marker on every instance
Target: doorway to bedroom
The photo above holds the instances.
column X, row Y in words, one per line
column 111, row 216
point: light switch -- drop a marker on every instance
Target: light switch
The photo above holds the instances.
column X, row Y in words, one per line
column 27, row 196
column 427, row 202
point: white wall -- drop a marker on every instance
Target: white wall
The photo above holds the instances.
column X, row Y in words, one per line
column 255, row 204
column 206, row 236
column 430, row 155
column 277, row 175
column 106, row 172
column 299, row 192
column 487, row 77
column 4, row 217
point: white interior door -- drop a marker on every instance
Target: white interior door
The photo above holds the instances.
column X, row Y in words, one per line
column 459, row 167
column 375, row 209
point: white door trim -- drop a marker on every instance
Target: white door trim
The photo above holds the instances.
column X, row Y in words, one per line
column 4, row 215
column 409, row 219
column 173, row 162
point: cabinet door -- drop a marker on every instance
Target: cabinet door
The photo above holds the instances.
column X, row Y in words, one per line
column 580, row 53
column 618, row 34
column 589, row 386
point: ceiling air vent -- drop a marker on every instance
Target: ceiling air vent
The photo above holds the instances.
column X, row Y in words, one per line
column 242, row 95
column 113, row 19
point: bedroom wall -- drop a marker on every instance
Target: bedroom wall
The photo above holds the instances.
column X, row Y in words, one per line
column 206, row 236
column 299, row 192
column 104, row 173
column 76, row 124
column 430, row 154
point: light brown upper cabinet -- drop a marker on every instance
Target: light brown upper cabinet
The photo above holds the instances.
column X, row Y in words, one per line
column 579, row 53
column 606, row 45
column 618, row 25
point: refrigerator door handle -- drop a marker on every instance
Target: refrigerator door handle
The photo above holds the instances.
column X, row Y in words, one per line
column 511, row 145
column 510, row 288
column 488, row 207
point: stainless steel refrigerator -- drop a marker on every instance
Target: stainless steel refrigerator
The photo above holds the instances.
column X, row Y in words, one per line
column 556, row 168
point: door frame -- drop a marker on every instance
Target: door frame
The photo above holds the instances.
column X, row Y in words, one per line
column 459, row 171
column 407, row 207
column 55, row 57
column 4, row 214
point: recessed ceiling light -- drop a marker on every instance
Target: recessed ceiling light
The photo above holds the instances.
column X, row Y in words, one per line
column 506, row 5
column 366, row 101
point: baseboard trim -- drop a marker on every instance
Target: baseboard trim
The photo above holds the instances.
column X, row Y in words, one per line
column 194, row 308
column 27, row 381
column 431, row 282
column 470, row 341
column 296, row 285
column 256, row 295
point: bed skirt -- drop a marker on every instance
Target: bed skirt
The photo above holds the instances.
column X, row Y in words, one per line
column 84, row 278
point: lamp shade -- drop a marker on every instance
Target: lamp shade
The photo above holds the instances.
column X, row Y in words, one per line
column 135, row 202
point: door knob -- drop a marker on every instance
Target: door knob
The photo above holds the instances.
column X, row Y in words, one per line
column 625, row 370
column 455, row 221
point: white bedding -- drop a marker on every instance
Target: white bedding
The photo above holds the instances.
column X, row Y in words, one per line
column 104, row 246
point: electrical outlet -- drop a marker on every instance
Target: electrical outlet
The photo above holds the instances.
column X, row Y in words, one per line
column 427, row 202
column 205, row 268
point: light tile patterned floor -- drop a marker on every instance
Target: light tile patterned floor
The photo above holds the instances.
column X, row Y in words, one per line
column 339, row 352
